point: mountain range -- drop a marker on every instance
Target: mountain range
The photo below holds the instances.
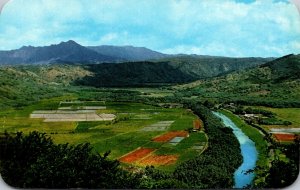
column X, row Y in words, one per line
column 72, row 52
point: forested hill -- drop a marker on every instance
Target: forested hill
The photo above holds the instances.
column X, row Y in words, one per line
column 199, row 66
column 286, row 68
column 174, row 70
column 276, row 83
column 179, row 69
column 133, row 74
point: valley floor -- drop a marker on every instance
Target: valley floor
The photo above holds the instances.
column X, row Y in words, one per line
column 130, row 126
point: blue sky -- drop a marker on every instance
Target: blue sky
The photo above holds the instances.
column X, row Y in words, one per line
column 237, row 28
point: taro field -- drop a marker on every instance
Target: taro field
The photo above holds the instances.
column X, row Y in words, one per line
column 135, row 133
column 285, row 125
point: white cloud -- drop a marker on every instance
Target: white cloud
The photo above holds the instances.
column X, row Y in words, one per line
column 227, row 27
column 108, row 38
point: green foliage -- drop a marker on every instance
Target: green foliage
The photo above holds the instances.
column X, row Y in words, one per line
column 34, row 161
column 273, row 121
column 215, row 167
column 259, row 111
column 156, row 179
column 282, row 174
column 202, row 67
column 133, row 74
column 275, row 84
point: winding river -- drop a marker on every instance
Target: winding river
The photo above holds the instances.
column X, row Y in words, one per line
column 248, row 151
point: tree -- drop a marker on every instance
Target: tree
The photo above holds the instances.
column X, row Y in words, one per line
column 34, row 161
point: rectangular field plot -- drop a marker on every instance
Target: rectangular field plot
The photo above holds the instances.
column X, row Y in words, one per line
column 170, row 135
column 199, row 146
column 142, row 116
column 159, row 160
column 60, row 117
column 38, row 112
column 136, row 155
column 284, row 136
column 176, row 140
column 285, row 130
column 159, row 126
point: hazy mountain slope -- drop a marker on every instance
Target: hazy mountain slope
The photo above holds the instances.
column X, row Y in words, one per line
column 68, row 51
column 72, row 52
column 128, row 53
column 210, row 66
column 276, row 81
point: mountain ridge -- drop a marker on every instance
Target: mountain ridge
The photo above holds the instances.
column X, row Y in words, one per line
column 129, row 53
column 69, row 51
column 72, row 52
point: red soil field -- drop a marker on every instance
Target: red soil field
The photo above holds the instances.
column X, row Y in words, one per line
column 197, row 124
column 284, row 137
column 158, row 160
column 136, row 155
column 170, row 135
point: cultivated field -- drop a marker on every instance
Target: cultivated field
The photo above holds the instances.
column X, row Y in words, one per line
column 119, row 127
column 284, row 137
column 136, row 155
column 77, row 115
column 283, row 133
column 170, row 135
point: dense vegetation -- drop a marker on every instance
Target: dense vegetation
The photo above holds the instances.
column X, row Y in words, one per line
column 133, row 74
column 215, row 168
column 284, row 173
column 35, row 161
column 202, row 67
column 275, row 84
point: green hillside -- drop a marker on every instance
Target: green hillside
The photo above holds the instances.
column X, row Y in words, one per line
column 21, row 85
column 177, row 69
column 275, row 83
column 277, row 80
column 133, row 74
column 202, row 67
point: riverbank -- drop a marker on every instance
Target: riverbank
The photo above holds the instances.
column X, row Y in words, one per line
column 242, row 177
column 261, row 145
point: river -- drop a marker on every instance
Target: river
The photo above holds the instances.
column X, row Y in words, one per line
column 248, row 151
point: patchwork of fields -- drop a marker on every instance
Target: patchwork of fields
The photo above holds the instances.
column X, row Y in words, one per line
column 282, row 132
column 136, row 134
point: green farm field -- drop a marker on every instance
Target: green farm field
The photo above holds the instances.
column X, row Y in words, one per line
column 130, row 129
column 289, row 114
